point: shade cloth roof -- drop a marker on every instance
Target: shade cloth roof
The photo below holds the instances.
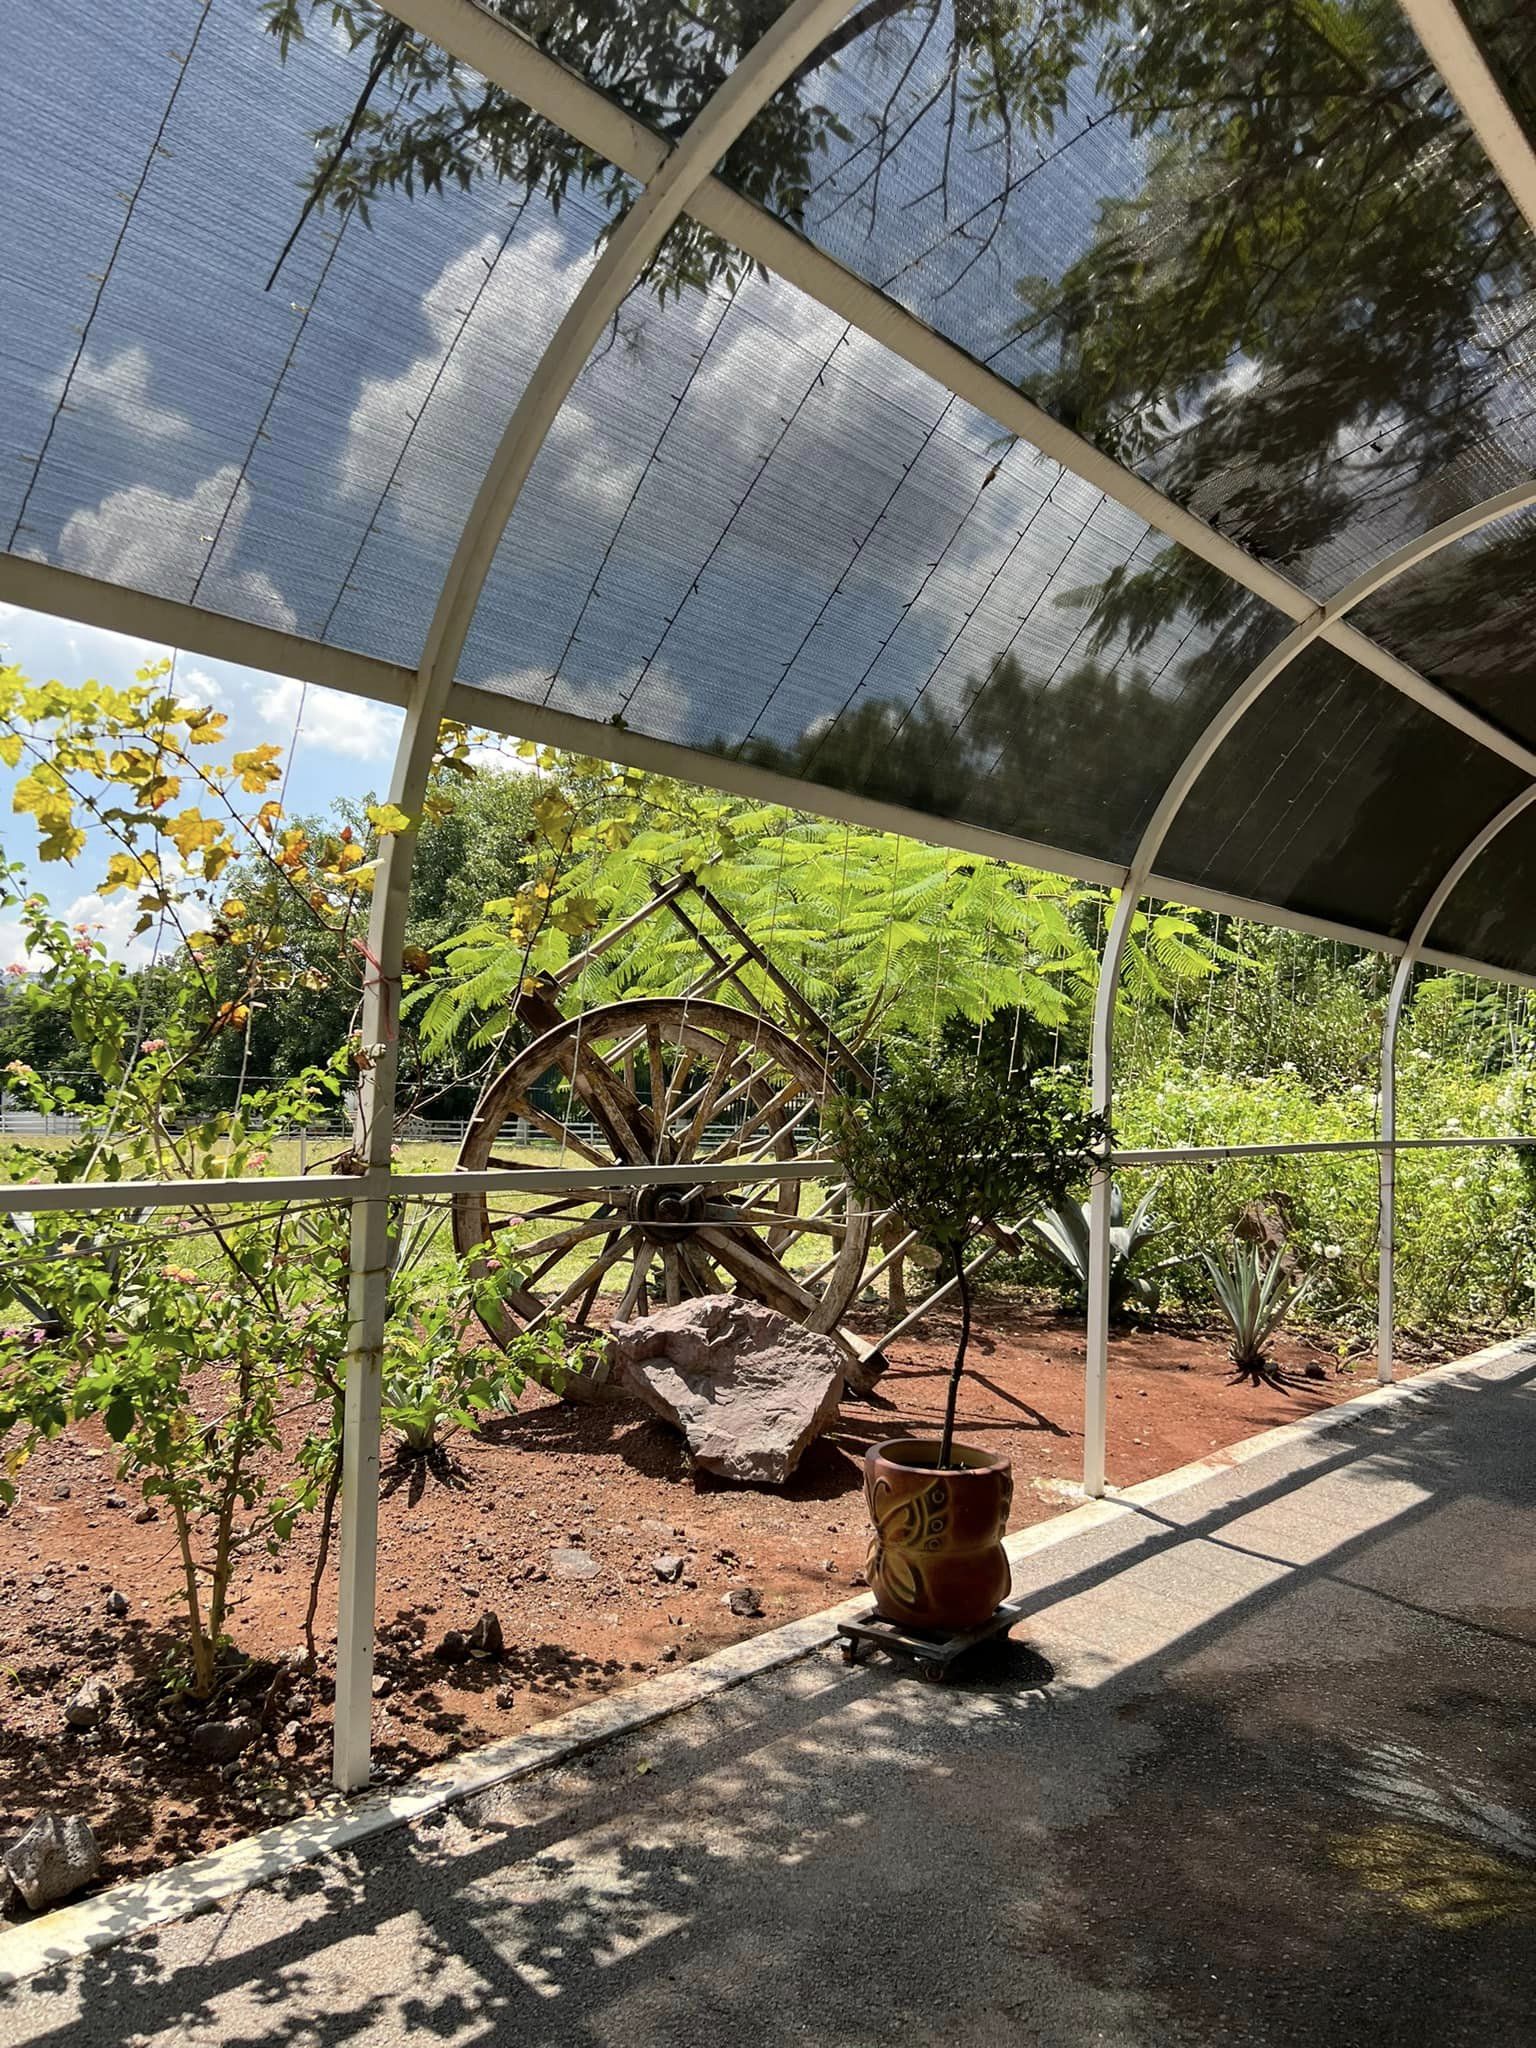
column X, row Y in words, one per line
column 765, row 531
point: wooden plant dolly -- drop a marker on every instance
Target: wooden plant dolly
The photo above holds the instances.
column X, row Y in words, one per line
column 932, row 1651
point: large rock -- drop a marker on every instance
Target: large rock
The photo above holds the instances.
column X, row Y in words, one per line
column 55, row 1857
column 747, row 1387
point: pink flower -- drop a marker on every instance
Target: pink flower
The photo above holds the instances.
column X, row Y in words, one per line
column 258, row 1159
column 83, row 946
column 17, row 1067
column 153, row 1045
column 16, row 968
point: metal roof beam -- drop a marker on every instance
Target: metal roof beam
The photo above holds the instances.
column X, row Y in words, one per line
column 64, row 594
column 1452, row 49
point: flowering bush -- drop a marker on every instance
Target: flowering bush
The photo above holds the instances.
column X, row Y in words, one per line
column 194, row 1334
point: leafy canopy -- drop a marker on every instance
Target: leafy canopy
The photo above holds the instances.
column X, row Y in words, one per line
column 950, row 1147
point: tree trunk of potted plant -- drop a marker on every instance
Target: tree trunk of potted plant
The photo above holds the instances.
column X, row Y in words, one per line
column 947, row 1148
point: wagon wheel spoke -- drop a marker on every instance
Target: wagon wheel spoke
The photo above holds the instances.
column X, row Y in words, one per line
column 707, row 1099
column 616, row 1109
column 551, row 1250
column 634, row 1292
column 658, row 1074
column 750, row 1260
column 622, row 1243
column 562, row 1208
column 778, row 1100
column 552, row 1127
column 792, row 1224
column 672, row 1274
column 697, row 1274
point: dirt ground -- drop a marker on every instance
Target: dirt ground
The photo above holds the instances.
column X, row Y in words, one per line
column 609, row 1483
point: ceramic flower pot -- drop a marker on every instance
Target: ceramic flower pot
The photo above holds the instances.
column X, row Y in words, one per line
column 936, row 1558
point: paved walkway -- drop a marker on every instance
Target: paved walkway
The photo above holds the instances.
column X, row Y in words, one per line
column 1280, row 1789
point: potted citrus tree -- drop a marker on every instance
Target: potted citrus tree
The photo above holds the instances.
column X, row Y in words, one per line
column 951, row 1149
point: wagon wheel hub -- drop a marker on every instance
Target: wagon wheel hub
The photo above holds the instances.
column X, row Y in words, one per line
column 667, row 1214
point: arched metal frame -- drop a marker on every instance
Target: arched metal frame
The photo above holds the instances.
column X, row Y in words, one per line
column 1402, row 980
column 1198, row 759
column 676, row 179
column 791, row 39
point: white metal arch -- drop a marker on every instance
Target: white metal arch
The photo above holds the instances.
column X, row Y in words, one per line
column 1199, row 757
column 791, row 39
column 1410, row 957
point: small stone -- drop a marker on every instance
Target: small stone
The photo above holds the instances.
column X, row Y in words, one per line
column 383, row 1687
column 117, row 1603
column 744, row 1600
column 88, row 1708
column 573, row 1564
column 1316, row 1371
column 667, row 1566
column 506, row 1698
column 55, row 1857
column 148, row 1513
column 452, row 1649
column 61, row 1493
column 669, row 1654
column 220, row 1742
column 485, row 1639
column 470, row 1592
column 115, row 1500
column 829, row 1564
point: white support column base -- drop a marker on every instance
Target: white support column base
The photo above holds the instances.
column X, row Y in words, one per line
column 1096, row 1380
column 1386, row 1308
column 368, row 1308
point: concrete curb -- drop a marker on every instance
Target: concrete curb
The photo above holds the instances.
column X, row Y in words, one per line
column 132, row 1909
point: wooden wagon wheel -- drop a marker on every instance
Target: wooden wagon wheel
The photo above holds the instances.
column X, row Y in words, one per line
column 663, row 1082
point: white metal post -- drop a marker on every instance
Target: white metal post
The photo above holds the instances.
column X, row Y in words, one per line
column 1096, row 1373
column 1386, row 1171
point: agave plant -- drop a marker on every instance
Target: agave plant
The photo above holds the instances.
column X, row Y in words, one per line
column 1255, row 1294
column 1064, row 1233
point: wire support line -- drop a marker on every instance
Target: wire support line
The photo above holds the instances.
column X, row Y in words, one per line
column 842, row 582
column 679, row 400
column 785, row 427
column 420, row 414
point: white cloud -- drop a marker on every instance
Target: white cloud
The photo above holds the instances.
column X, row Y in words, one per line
column 120, row 386
column 108, row 919
column 143, row 538
column 471, row 395
column 200, row 686
column 331, row 723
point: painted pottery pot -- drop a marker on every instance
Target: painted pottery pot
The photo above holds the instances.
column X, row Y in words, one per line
column 936, row 1557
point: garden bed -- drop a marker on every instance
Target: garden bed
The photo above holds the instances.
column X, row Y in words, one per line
column 554, row 1520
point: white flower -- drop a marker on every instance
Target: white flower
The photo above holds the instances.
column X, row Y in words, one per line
column 1333, row 1251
